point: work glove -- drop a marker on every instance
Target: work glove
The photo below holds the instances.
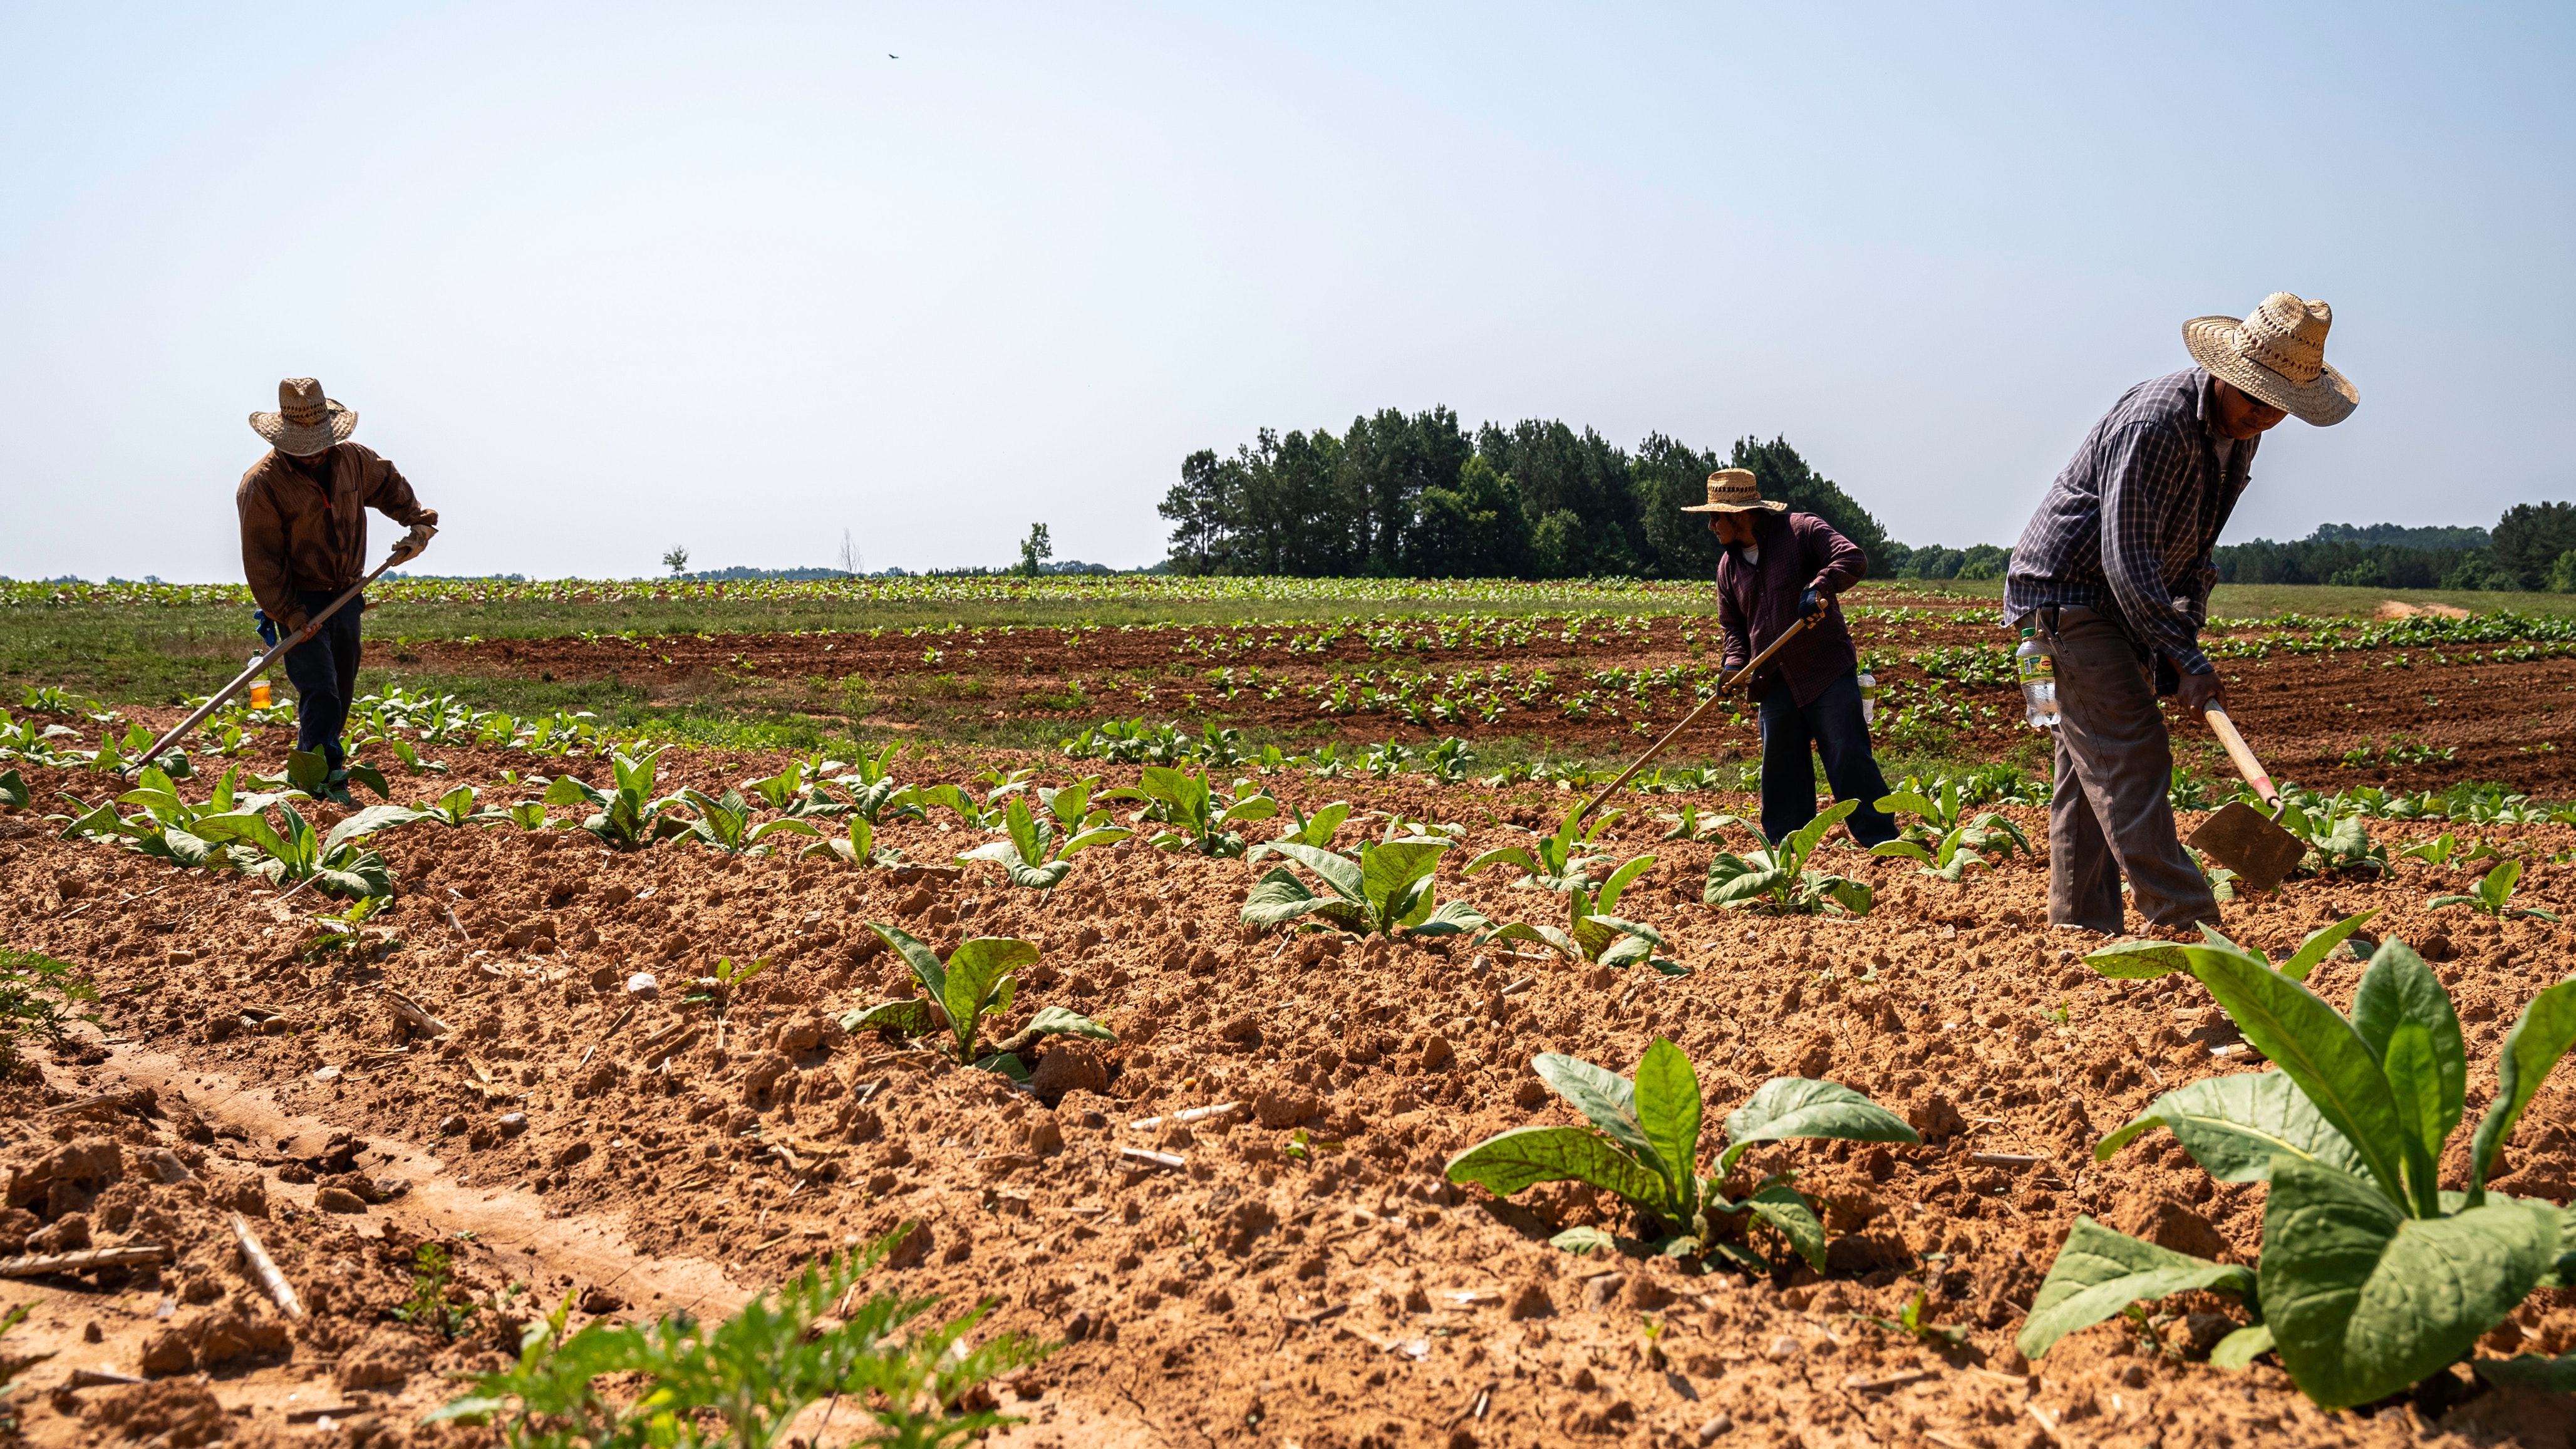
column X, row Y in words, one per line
column 413, row 542
column 1811, row 605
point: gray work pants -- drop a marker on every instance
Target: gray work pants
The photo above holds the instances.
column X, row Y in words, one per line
column 2109, row 815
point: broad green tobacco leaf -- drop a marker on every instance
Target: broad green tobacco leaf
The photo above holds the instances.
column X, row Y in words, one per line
column 1792, row 1107
column 1580, row 1241
column 1784, row 1210
column 1668, row 1110
column 1607, row 1098
column 910, row 1017
column 1280, row 897
column 1513, row 1160
column 1059, row 1021
column 2242, row 1347
column 2540, row 1036
column 1340, row 873
column 2316, row 947
column 2099, row 1272
column 2401, row 1001
column 2363, row 1300
column 2557, row 1375
column 923, row 961
column 2139, row 960
column 2234, row 1126
column 2317, row 1049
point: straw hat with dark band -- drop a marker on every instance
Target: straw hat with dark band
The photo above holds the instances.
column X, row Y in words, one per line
column 306, row 422
column 2278, row 354
column 1732, row 490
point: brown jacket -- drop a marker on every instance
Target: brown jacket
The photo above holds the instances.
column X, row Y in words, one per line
column 294, row 538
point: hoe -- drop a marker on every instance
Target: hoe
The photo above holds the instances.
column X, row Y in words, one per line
column 404, row 551
column 1692, row 718
column 2238, row 837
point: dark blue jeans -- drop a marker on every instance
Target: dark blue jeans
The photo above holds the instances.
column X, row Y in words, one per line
column 1832, row 723
column 324, row 671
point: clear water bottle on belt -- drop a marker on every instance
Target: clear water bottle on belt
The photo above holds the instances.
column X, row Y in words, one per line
column 2037, row 668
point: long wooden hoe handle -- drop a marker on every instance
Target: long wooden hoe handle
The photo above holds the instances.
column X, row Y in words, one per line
column 260, row 665
column 1692, row 718
column 2246, row 765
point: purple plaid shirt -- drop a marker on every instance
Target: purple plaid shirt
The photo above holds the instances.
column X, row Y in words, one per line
column 1756, row 603
column 2127, row 528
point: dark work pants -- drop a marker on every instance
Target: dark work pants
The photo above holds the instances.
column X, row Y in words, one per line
column 2109, row 815
column 324, row 671
column 1833, row 724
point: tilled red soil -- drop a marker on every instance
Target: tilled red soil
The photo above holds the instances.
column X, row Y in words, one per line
column 2506, row 721
column 687, row 1154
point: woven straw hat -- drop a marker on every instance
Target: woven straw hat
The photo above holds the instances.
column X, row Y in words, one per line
column 2278, row 353
column 306, row 422
column 1732, row 490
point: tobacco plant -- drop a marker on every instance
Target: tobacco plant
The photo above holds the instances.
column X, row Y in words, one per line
column 1645, row 1146
column 1202, row 817
column 743, row 1382
column 860, row 849
column 1030, row 855
column 13, row 790
column 1387, row 887
column 977, row 980
column 1595, row 936
column 1316, row 830
column 2372, row 1275
column 626, row 816
column 1779, row 880
column 1558, row 861
column 1945, row 841
column 726, row 824
column 2493, row 896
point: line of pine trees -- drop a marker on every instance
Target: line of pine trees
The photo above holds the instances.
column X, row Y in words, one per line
column 1417, row 495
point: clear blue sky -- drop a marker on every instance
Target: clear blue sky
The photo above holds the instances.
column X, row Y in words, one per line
column 604, row 279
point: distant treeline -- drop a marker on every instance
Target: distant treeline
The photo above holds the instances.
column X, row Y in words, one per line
column 2532, row 547
column 1418, row 495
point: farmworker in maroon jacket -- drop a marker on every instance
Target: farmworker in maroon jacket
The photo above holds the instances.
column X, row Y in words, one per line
column 304, row 543
column 2114, row 572
column 1779, row 567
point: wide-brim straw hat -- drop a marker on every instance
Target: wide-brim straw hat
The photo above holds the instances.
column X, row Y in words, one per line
column 1732, row 490
column 2278, row 354
column 305, row 422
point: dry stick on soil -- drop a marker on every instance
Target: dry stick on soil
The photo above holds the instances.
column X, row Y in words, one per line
column 119, row 1100
column 264, row 1268
column 37, row 1265
column 605, row 1035
column 411, row 1011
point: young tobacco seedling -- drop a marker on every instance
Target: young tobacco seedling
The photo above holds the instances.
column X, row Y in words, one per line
column 1912, row 1321
column 296, row 852
column 339, row 931
column 13, row 790
column 2493, row 896
column 1030, row 857
column 1205, row 819
column 975, row 981
column 2435, row 852
column 1687, row 824
column 1387, row 887
column 1644, row 1145
column 1778, row 879
column 2372, row 1276
column 743, row 1382
column 1316, row 830
column 1558, row 861
column 860, row 849
column 626, row 816
column 1595, row 936
column 2335, row 841
column 430, row 1304
column 37, row 994
column 1948, row 845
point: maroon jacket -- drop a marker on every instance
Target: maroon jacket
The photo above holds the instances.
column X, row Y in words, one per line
column 1799, row 552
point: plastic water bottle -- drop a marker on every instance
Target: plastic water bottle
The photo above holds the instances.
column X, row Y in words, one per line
column 2038, row 671
column 1868, row 700
column 258, row 689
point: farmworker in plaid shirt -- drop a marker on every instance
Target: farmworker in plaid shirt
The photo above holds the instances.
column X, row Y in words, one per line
column 2114, row 573
column 1780, row 567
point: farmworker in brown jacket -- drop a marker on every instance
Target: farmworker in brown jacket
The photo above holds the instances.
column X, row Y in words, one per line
column 1780, row 567
column 2114, row 573
column 304, row 543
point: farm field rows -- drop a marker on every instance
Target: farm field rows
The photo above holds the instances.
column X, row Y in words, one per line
column 1298, row 1268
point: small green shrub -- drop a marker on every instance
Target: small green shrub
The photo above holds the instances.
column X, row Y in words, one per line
column 37, row 997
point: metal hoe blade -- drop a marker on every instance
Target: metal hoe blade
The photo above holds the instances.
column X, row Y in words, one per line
column 2239, row 838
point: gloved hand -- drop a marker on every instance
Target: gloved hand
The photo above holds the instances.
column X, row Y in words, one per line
column 1811, row 606
column 414, row 541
